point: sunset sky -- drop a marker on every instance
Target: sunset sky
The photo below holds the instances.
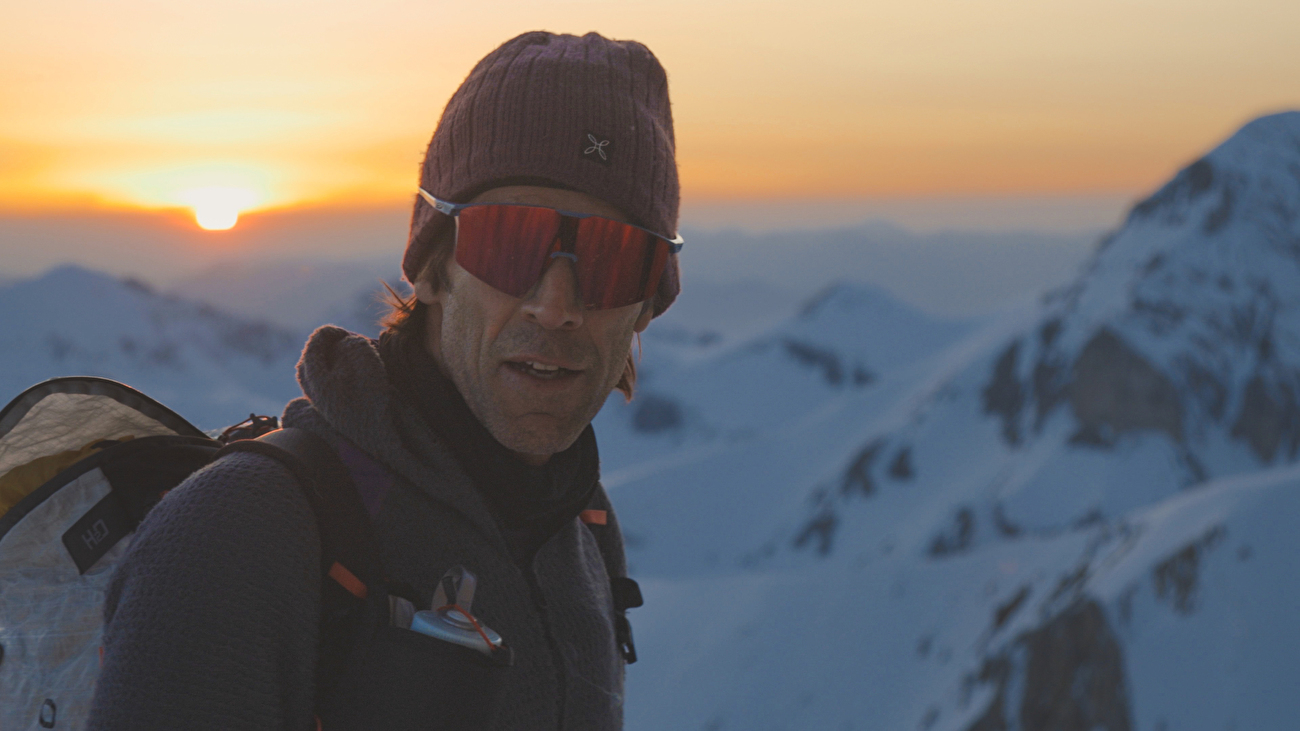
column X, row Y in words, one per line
column 153, row 104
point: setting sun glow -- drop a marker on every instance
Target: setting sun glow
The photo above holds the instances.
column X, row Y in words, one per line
column 218, row 208
column 117, row 105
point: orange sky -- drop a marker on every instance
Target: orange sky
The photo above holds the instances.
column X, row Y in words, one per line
column 139, row 103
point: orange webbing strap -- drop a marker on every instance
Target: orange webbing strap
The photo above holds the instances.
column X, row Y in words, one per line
column 594, row 517
column 347, row 580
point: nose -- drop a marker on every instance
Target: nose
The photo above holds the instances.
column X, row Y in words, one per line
column 554, row 303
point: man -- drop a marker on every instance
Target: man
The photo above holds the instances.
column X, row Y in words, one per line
column 542, row 241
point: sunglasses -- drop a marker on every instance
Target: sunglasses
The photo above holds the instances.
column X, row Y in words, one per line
column 509, row 246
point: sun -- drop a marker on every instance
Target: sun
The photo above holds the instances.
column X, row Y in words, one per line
column 217, row 208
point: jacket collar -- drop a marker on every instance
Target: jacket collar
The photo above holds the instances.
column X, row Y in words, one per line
column 347, row 391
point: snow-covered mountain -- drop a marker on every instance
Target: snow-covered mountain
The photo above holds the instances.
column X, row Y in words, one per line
column 1074, row 518
column 208, row 366
column 851, row 340
column 1174, row 359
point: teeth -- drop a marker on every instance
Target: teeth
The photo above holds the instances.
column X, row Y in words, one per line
column 542, row 366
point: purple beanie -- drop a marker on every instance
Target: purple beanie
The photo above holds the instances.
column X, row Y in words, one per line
column 589, row 114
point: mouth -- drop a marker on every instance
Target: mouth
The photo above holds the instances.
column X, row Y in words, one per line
column 542, row 370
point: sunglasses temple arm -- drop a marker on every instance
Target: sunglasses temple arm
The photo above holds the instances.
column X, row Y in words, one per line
column 440, row 206
column 674, row 243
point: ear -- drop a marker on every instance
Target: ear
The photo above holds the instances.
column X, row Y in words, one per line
column 424, row 292
column 647, row 314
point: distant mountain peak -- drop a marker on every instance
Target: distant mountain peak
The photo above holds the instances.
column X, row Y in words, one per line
column 207, row 364
column 1259, row 166
column 1270, row 134
column 855, row 296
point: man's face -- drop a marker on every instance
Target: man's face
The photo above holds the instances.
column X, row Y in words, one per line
column 534, row 370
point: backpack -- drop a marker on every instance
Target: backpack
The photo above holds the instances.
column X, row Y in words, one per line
column 82, row 461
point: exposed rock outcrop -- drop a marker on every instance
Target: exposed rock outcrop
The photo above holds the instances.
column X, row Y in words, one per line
column 1069, row 673
column 1004, row 396
column 1269, row 420
column 1177, row 577
column 1115, row 390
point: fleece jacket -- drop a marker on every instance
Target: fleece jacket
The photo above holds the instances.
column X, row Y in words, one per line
column 212, row 617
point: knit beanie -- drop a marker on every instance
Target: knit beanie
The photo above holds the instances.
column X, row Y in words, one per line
column 585, row 113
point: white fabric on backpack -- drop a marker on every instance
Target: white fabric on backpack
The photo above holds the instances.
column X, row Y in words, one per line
column 51, row 615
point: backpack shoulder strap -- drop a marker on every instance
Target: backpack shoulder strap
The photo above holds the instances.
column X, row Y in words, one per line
column 350, row 562
column 347, row 537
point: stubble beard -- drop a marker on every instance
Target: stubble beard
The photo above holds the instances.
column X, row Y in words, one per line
column 519, row 422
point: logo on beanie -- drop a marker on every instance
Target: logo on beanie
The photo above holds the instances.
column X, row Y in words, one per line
column 596, row 148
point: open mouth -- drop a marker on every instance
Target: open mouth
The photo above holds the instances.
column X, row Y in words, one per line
column 541, row 370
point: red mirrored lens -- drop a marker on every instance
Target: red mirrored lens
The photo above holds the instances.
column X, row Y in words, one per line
column 618, row 264
column 507, row 247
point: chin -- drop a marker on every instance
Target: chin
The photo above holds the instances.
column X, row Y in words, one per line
column 542, row 440
column 539, row 444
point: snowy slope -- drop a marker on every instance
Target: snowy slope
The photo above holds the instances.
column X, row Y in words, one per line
column 1046, row 528
column 210, row 367
column 851, row 341
column 1182, row 615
